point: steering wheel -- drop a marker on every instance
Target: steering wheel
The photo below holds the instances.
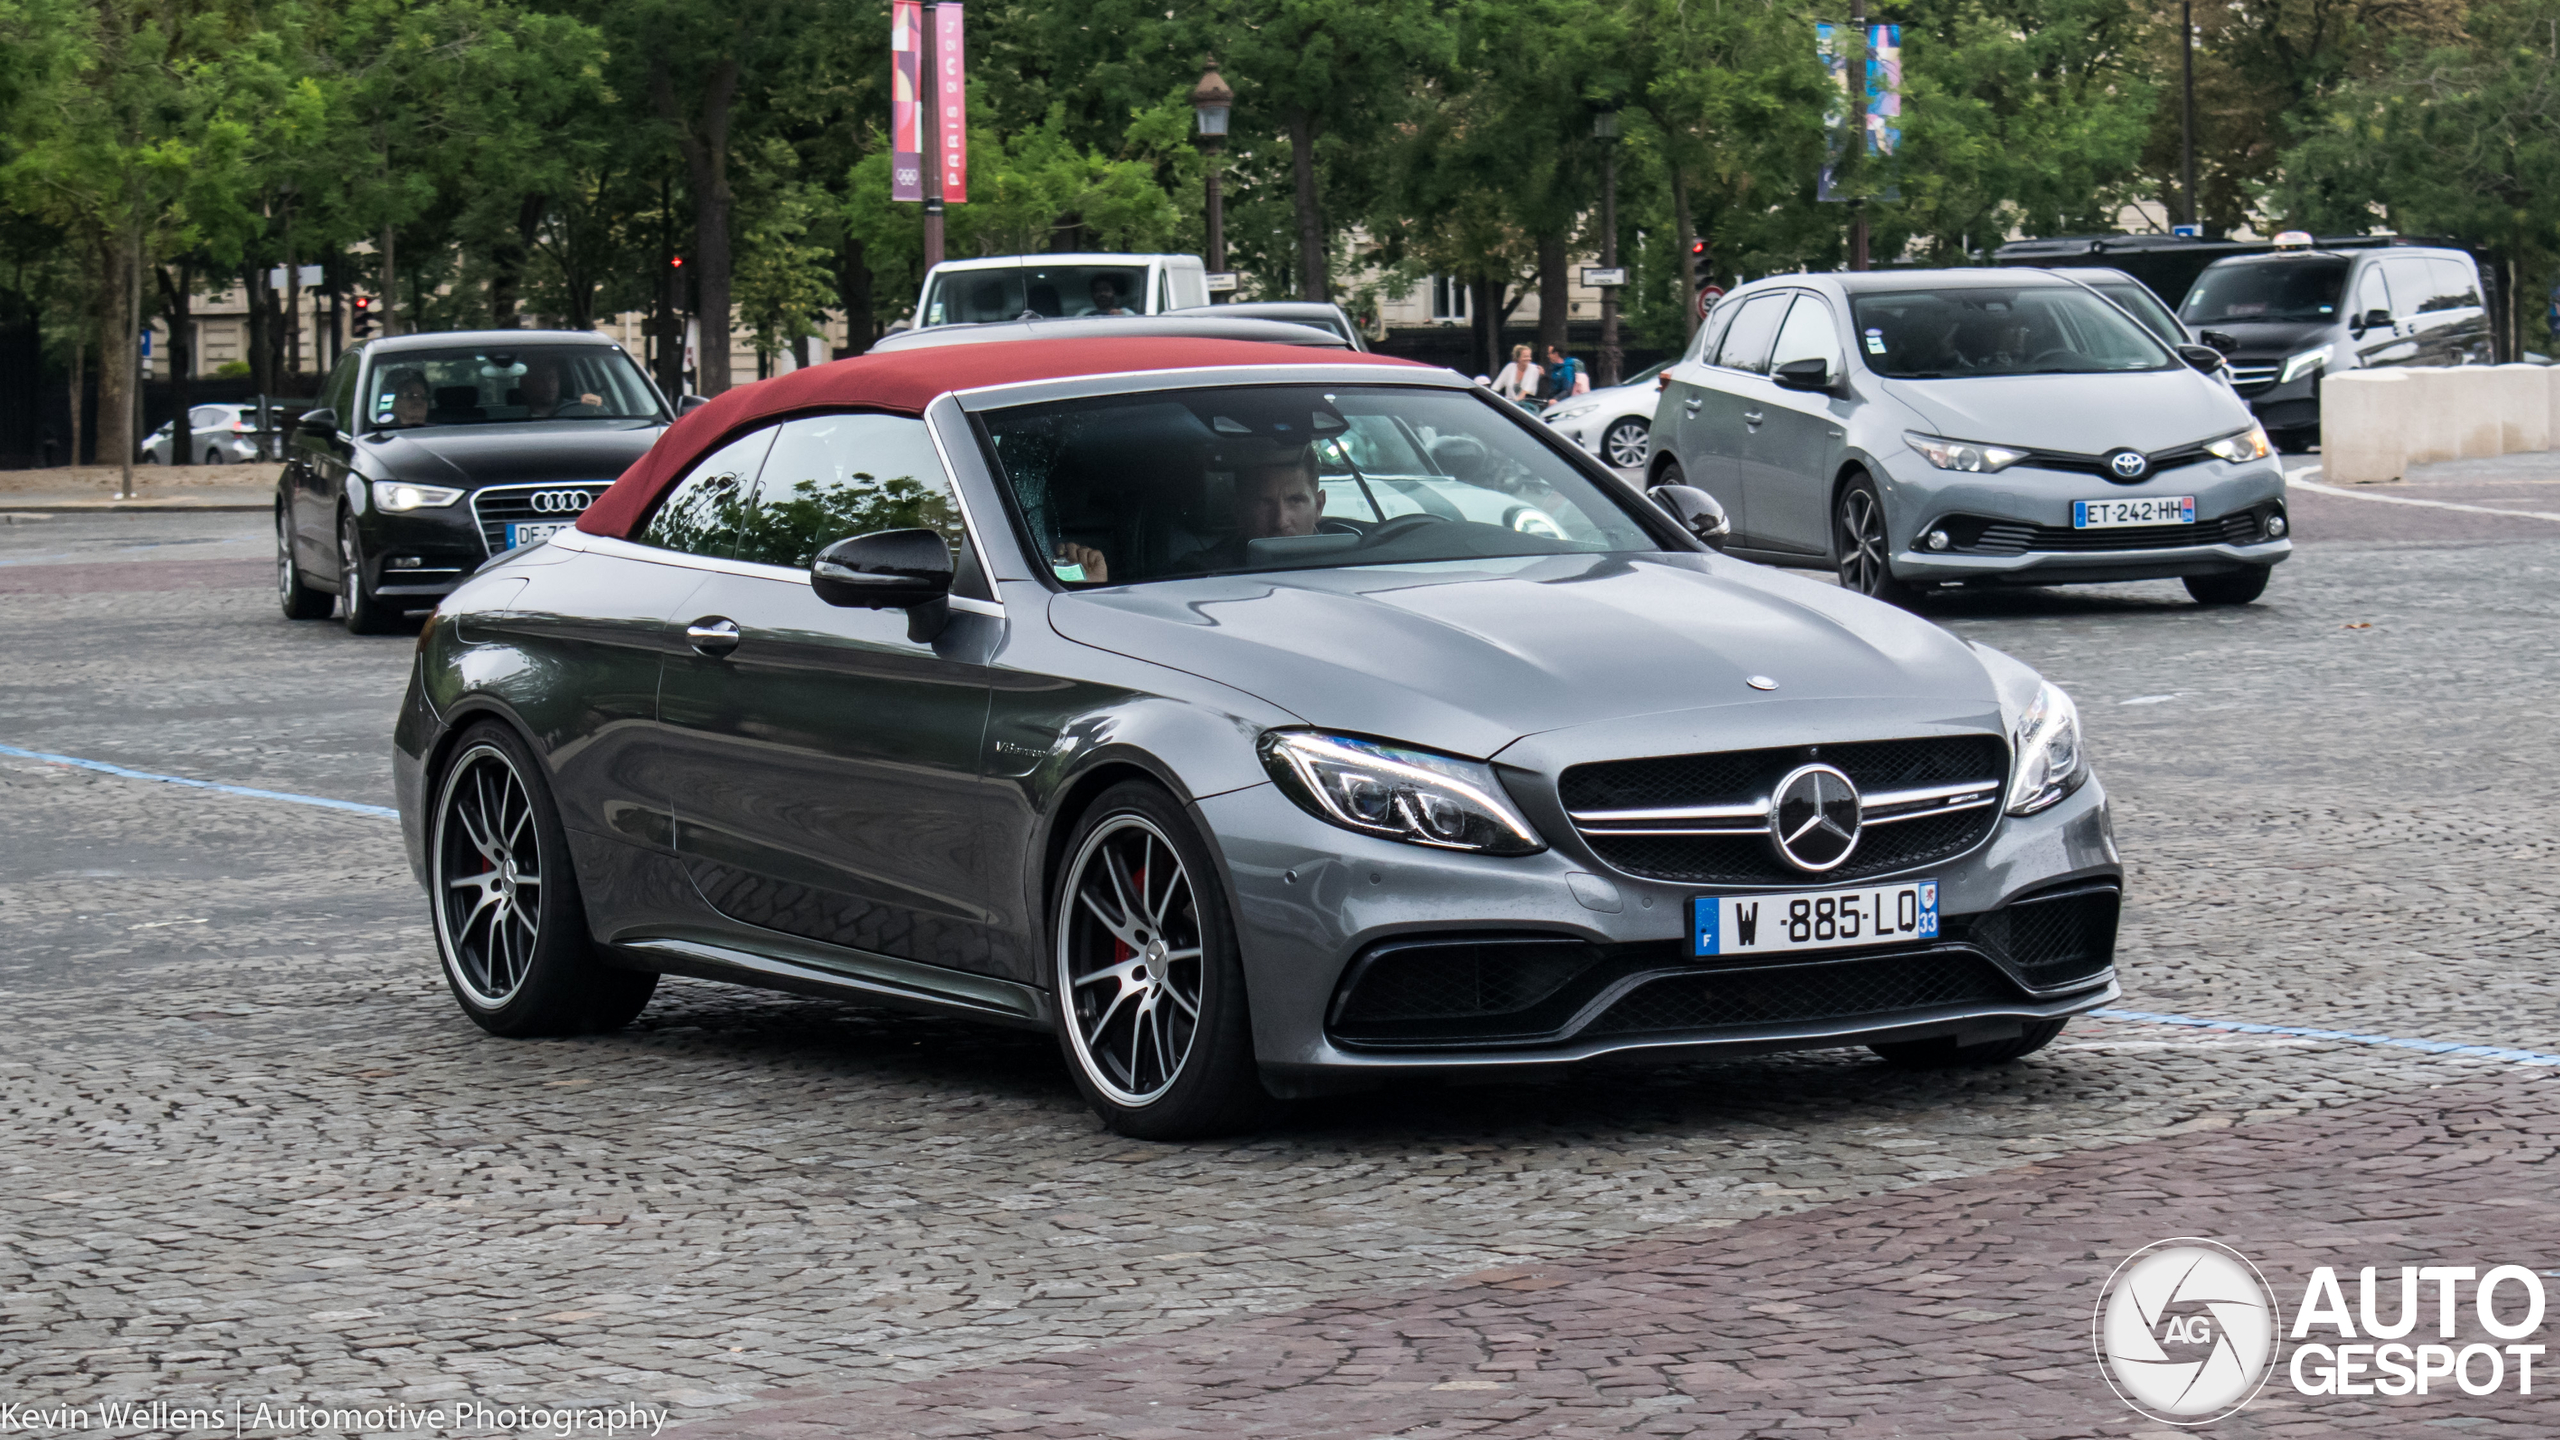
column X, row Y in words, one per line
column 2057, row 353
column 1402, row 525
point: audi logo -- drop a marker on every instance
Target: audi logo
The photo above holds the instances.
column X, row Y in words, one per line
column 559, row 502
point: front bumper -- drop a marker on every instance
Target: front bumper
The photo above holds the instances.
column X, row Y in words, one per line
column 2294, row 405
column 2014, row 527
column 1311, row 900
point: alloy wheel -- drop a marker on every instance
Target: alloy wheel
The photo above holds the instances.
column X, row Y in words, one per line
column 1129, row 960
column 1862, row 544
column 488, row 876
column 286, row 581
column 350, row 571
column 1623, row 445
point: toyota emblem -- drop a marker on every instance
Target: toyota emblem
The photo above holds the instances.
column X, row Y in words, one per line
column 2129, row 465
column 559, row 502
column 1814, row 818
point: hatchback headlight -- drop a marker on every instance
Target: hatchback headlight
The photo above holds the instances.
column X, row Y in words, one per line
column 1963, row 454
column 2051, row 762
column 1399, row 794
column 2249, row 444
column 1569, row 412
column 2297, row 366
column 401, row 495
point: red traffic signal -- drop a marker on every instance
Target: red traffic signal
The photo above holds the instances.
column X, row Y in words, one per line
column 676, row 262
column 361, row 326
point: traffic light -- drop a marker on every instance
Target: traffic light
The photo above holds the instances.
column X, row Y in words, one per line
column 1700, row 261
column 361, row 327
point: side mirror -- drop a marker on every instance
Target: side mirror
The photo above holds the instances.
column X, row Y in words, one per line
column 2374, row 319
column 884, row 570
column 1803, row 375
column 2202, row 357
column 322, row 422
column 1696, row 510
column 2221, row 340
column 687, row 404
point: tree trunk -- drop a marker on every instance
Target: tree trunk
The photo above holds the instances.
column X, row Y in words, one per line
column 853, row 291
column 1686, row 239
column 1314, row 278
column 507, row 262
column 1484, row 317
column 253, row 290
column 79, row 384
column 705, row 142
column 119, row 354
column 177, row 293
column 1555, row 296
column 387, row 302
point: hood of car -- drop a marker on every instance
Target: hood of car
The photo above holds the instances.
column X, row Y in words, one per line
column 1470, row 656
column 471, row 455
column 2273, row 337
column 2078, row 414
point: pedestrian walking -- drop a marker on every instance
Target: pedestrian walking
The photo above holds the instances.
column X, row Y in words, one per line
column 1518, row 381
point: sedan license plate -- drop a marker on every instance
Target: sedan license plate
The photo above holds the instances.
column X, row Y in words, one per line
column 526, row 532
column 1813, row 919
column 2146, row 510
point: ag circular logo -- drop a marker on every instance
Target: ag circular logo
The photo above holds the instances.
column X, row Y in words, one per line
column 2186, row 1331
column 559, row 502
column 1814, row 818
column 2129, row 464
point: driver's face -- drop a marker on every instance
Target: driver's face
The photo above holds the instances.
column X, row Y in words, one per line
column 1105, row 294
column 1279, row 500
column 541, row 385
column 409, row 403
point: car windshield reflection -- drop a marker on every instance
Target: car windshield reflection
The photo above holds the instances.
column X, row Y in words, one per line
column 1134, row 488
column 481, row 386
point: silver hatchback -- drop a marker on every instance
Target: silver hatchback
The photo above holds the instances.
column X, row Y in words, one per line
column 1914, row 429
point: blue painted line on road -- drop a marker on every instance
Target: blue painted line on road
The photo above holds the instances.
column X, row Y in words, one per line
column 2299, row 1032
column 378, row 812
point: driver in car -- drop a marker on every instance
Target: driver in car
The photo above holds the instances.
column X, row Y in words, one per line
column 541, row 391
column 1276, row 495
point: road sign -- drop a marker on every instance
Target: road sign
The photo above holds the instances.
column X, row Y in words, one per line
column 1221, row 282
column 2191, row 232
column 1707, row 297
column 1596, row 276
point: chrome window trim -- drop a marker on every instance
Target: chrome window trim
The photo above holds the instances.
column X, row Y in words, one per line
column 1121, row 382
column 622, row 549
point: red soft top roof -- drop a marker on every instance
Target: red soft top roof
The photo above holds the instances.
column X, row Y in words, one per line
column 905, row 382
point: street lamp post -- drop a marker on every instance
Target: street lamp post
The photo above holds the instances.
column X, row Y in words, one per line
column 1212, row 100
column 1604, row 128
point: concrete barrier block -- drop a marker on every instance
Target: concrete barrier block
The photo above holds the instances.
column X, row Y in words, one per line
column 2523, row 398
column 2429, row 413
column 2551, row 387
column 2367, row 421
column 2477, row 431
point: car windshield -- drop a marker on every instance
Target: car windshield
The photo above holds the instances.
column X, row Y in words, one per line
column 980, row 297
column 2287, row 289
column 2145, row 307
column 490, row 385
column 1981, row 330
column 1131, row 488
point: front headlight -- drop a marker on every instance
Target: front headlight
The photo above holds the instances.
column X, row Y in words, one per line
column 2297, row 366
column 1963, row 454
column 2249, row 444
column 1400, row 794
column 1571, row 412
column 2051, row 763
column 401, row 495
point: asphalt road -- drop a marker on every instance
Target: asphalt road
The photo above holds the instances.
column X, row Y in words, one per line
column 253, row 1154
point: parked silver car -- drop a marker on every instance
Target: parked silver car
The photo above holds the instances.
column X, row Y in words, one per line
column 1614, row 422
column 1913, row 429
column 216, row 435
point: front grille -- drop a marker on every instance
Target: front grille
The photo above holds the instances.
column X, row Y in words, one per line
column 1458, row 979
column 2161, row 461
column 2054, row 940
column 499, row 505
column 1745, row 776
column 1978, row 535
column 2251, row 376
column 1799, row 994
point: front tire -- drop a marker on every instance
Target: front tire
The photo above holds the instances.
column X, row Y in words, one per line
column 361, row 609
column 1151, row 1003
column 1944, row 1053
column 1624, row 443
column 1862, row 547
column 511, row 930
column 297, row 600
column 2237, row 587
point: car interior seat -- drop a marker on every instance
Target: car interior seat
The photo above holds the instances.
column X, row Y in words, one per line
column 456, row 402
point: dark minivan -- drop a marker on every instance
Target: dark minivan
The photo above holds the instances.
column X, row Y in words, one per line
column 2298, row 314
column 428, row 454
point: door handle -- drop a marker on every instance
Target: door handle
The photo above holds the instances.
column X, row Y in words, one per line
column 1753, row 417
column 1693, row 402
column 713, row 635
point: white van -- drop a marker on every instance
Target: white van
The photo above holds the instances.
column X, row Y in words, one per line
column 1010, row 287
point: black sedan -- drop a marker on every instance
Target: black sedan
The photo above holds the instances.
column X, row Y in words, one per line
column 430, row 453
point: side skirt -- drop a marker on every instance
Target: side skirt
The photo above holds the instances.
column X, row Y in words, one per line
column 831, row 972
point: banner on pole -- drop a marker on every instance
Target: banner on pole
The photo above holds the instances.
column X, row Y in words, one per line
column 906, row 94
column 951, row 95
column 1880, row 113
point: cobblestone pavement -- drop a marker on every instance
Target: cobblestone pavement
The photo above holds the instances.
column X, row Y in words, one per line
column 252, row 1153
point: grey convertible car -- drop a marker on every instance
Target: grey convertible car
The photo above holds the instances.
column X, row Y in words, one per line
column 1261, row 721
column 1919, row 428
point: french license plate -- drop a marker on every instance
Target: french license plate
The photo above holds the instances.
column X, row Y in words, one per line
column 1814, row 919
column 2145, row 510
column 526, row 532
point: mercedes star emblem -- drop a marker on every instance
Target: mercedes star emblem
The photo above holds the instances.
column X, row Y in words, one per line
column 1813, row 818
